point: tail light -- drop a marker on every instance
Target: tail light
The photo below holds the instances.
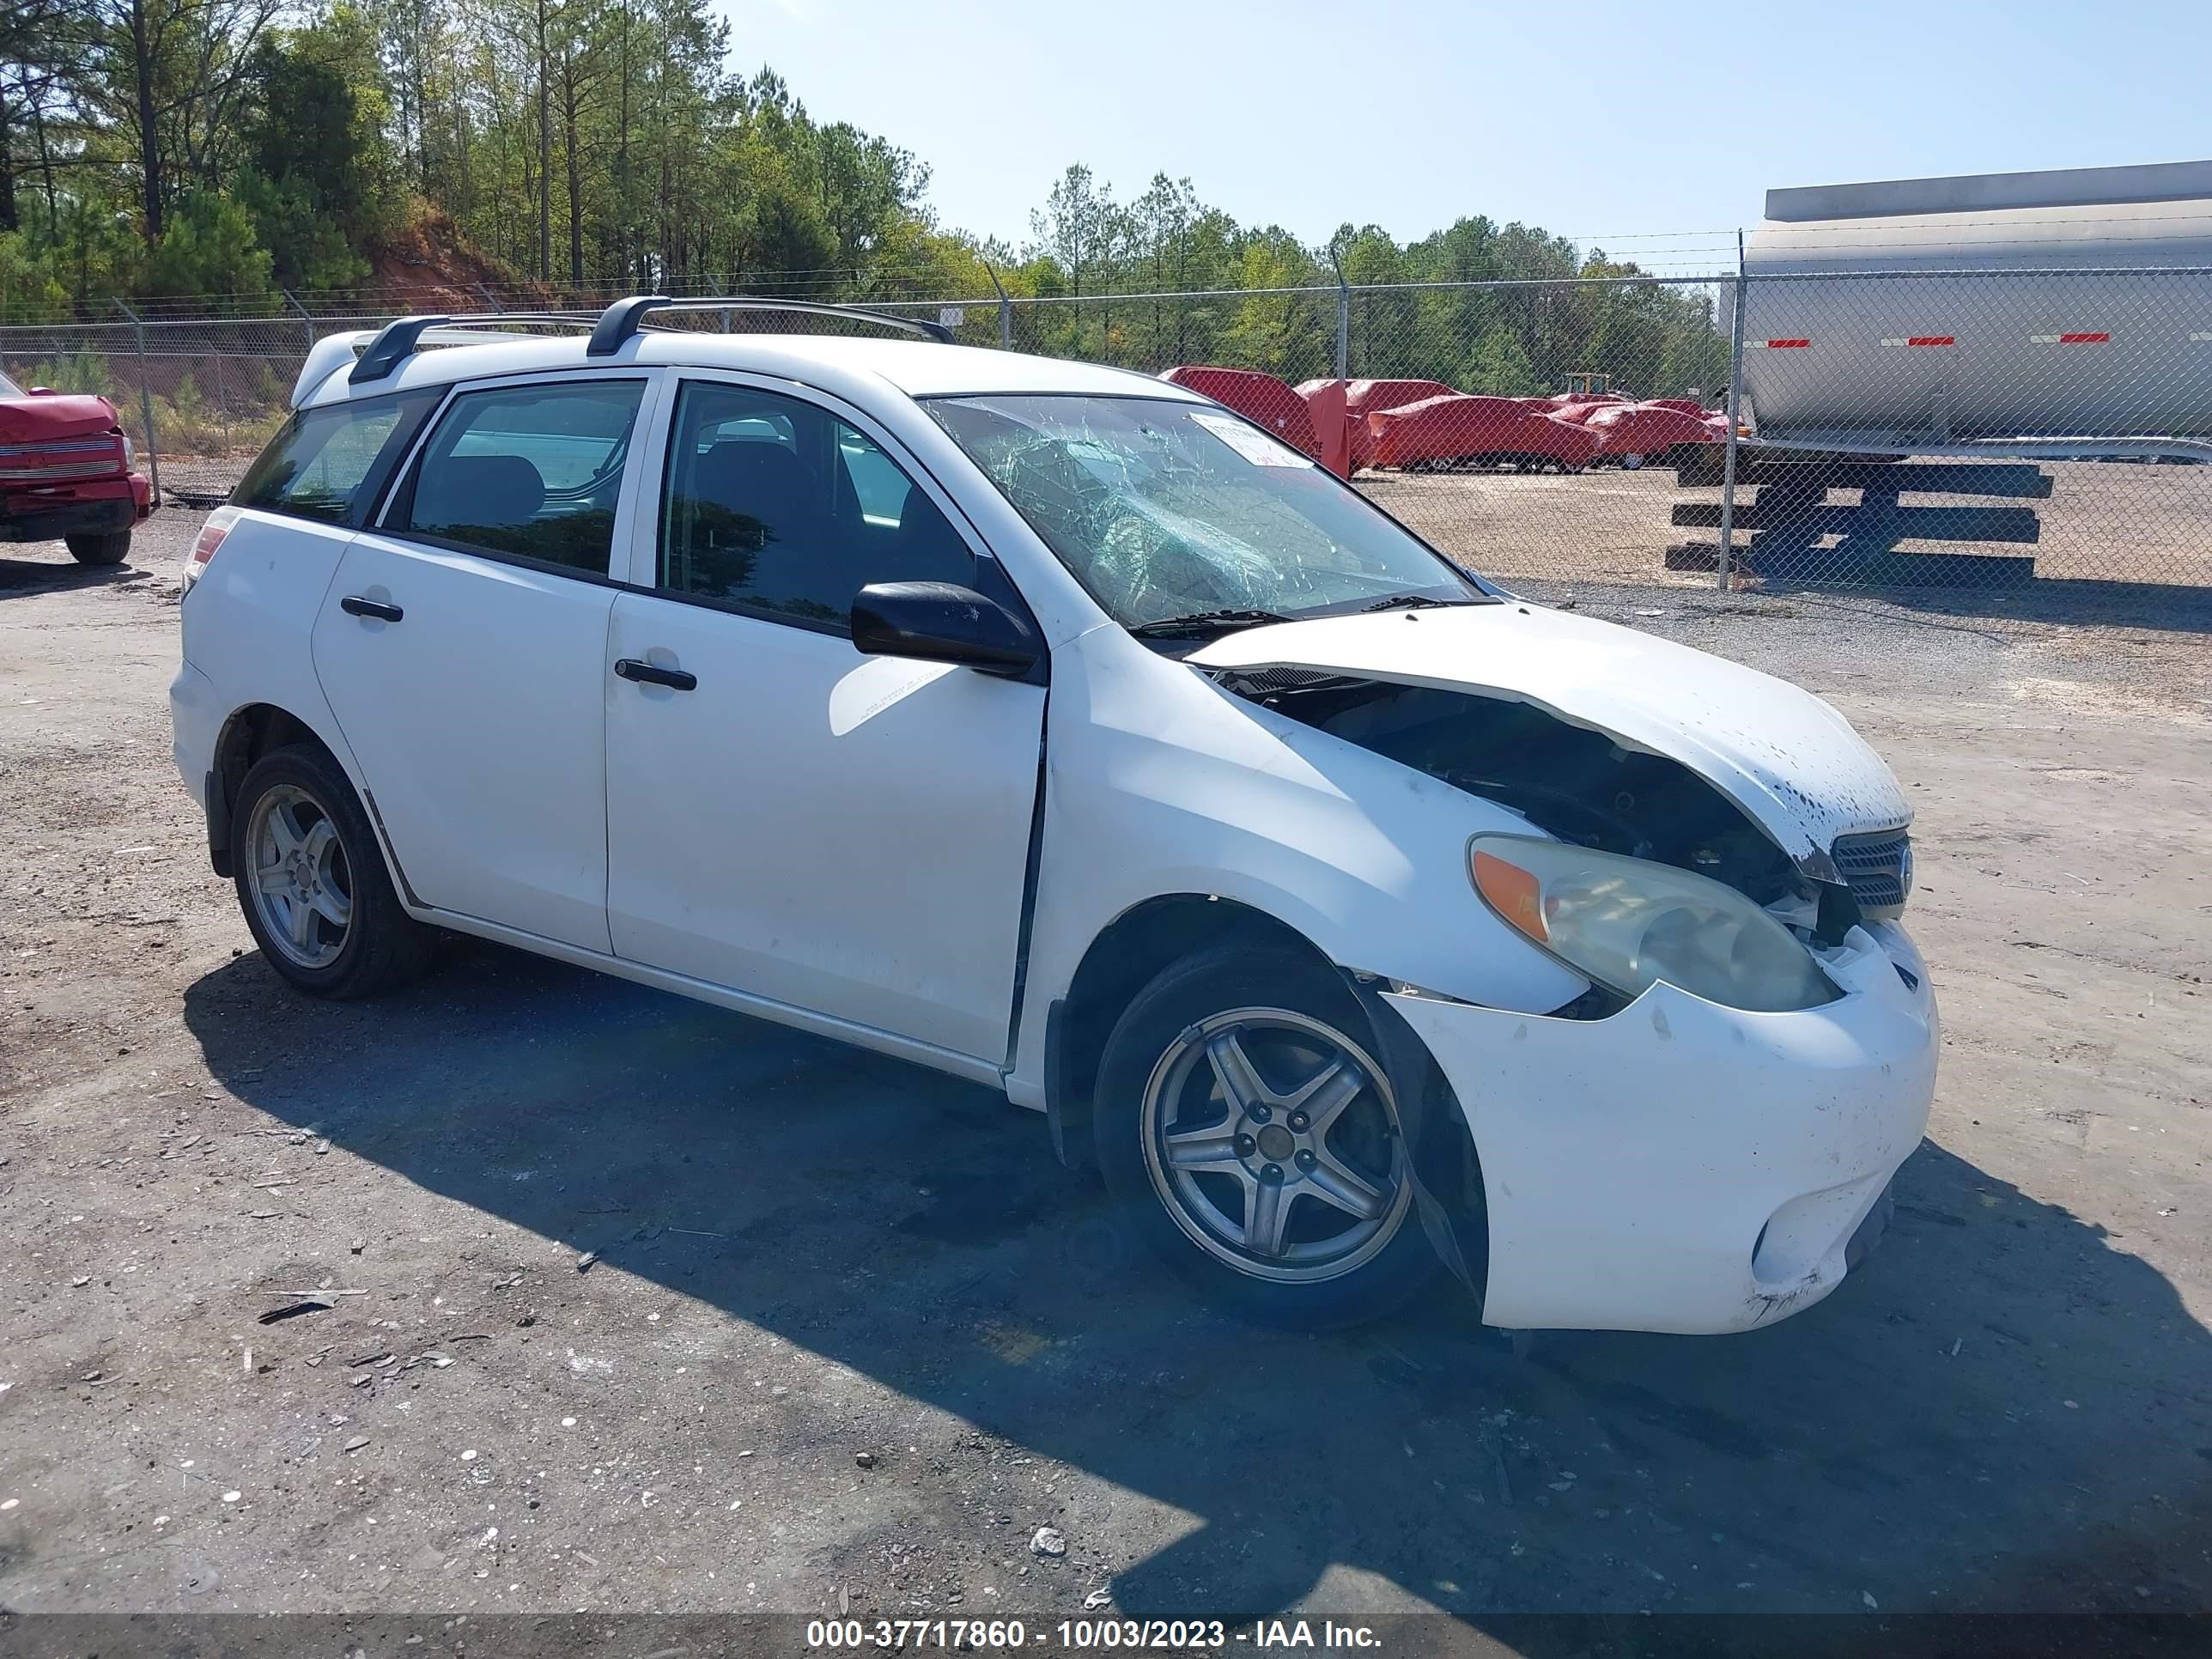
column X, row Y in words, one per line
column 57, row 460
column 210, row 538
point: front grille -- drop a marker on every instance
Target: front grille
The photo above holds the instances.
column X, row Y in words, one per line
column 60, row 459
column 1879, row 867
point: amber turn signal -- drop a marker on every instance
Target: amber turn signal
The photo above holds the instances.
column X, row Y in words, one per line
column 1513, row 892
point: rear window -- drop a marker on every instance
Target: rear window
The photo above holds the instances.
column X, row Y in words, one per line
column 529, row 472
column 330, row 463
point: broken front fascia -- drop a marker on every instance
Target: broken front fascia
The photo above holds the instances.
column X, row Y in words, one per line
column 1680, row 1166
column 1790, row 763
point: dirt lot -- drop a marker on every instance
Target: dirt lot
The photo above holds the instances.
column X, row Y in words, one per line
column 849, row 1338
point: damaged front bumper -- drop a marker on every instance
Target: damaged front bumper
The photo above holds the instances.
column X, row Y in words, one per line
column 1684, row 1167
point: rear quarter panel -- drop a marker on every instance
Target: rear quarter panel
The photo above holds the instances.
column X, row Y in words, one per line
column 248, row 627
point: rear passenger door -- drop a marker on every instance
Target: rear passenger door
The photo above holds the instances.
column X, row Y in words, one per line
column 462, row 648
column 837, row 833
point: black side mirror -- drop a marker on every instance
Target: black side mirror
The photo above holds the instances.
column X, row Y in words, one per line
column 942, row 622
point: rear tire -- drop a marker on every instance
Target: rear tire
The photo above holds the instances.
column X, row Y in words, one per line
column 1248, row 1136
column 108, row 547
column 312, row 882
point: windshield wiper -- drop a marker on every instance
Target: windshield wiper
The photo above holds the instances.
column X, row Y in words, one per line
column 1203, row 622
column 1411, row 602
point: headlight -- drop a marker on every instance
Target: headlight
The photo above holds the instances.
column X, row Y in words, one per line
column 1628, row 924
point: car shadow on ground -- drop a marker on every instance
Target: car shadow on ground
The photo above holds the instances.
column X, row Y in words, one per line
column 29, row 575
column 2004, row 1411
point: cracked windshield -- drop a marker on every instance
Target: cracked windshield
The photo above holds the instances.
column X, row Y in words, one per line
column 1170, row 511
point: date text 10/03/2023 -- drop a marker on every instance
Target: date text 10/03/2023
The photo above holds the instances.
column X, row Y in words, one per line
column 1193, row 1635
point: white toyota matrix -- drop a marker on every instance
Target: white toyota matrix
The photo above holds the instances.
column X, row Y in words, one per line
column 1057, row 728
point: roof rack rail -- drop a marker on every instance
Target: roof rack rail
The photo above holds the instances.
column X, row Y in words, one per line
column 625, row 318
column 397, row 340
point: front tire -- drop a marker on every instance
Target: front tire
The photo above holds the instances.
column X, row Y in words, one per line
column 109, row 547
column 1248, row 1136
column 312, row 882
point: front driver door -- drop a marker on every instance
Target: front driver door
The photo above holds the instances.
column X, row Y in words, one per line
column 841, row 833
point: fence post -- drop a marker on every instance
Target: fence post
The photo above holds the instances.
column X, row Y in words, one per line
column 1343, row 329
column 306, row 316
column 146, row 405
column 490, row 302
column 1005, row 309
column 1735, row 399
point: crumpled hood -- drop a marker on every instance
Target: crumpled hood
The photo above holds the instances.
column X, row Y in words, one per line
column 1788, row 759
column 69, row 415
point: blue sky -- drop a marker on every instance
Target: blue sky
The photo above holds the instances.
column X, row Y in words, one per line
column 1607, row 122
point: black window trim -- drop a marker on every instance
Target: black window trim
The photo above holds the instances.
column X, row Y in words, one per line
column 405, row 475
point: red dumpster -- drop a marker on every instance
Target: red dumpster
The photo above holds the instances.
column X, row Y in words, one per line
column 1260, row 399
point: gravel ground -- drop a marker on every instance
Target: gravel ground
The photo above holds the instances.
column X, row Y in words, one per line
column 636, row 1304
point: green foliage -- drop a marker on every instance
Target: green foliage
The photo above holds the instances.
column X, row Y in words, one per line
column 785, row 239
column 309, row 248
column 69, row 371
column 1500, row 367
column 29, row 290
column 208, row 247
column 317, row 120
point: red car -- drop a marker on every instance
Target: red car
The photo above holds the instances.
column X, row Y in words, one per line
column 1467, row 431
column 1260, row 399
column 65, row 474
column 1630, row 435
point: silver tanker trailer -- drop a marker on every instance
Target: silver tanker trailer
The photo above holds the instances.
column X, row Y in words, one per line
column 1943, row 336
column 2043, row 312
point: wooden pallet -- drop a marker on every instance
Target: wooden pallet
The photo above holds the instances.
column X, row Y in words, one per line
column 1784, row 506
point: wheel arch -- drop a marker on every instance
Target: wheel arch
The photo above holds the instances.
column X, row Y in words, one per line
column 1124, row 955
column 253, row 730
column 1147, row 938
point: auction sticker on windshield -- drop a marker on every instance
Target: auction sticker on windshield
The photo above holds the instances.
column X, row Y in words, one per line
column 1254, row 446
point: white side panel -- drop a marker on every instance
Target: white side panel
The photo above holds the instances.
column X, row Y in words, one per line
column 1160, row 782
column 246, row 627
column 477, row 721
column 837, row 832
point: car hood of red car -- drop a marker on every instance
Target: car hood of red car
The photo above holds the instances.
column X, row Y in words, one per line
column 66, row 414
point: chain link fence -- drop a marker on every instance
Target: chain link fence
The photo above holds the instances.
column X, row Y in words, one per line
column 2022, row 441
column 1996, row 443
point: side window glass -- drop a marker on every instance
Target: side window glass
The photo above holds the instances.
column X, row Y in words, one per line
column 526, row 471
column 328, row 463
column 777, row 506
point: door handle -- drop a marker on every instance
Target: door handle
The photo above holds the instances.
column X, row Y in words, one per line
column 353, row 605
column 649, row 673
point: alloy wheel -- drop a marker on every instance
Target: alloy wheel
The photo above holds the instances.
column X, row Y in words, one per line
column 301, row 884
column 1273, row 1140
